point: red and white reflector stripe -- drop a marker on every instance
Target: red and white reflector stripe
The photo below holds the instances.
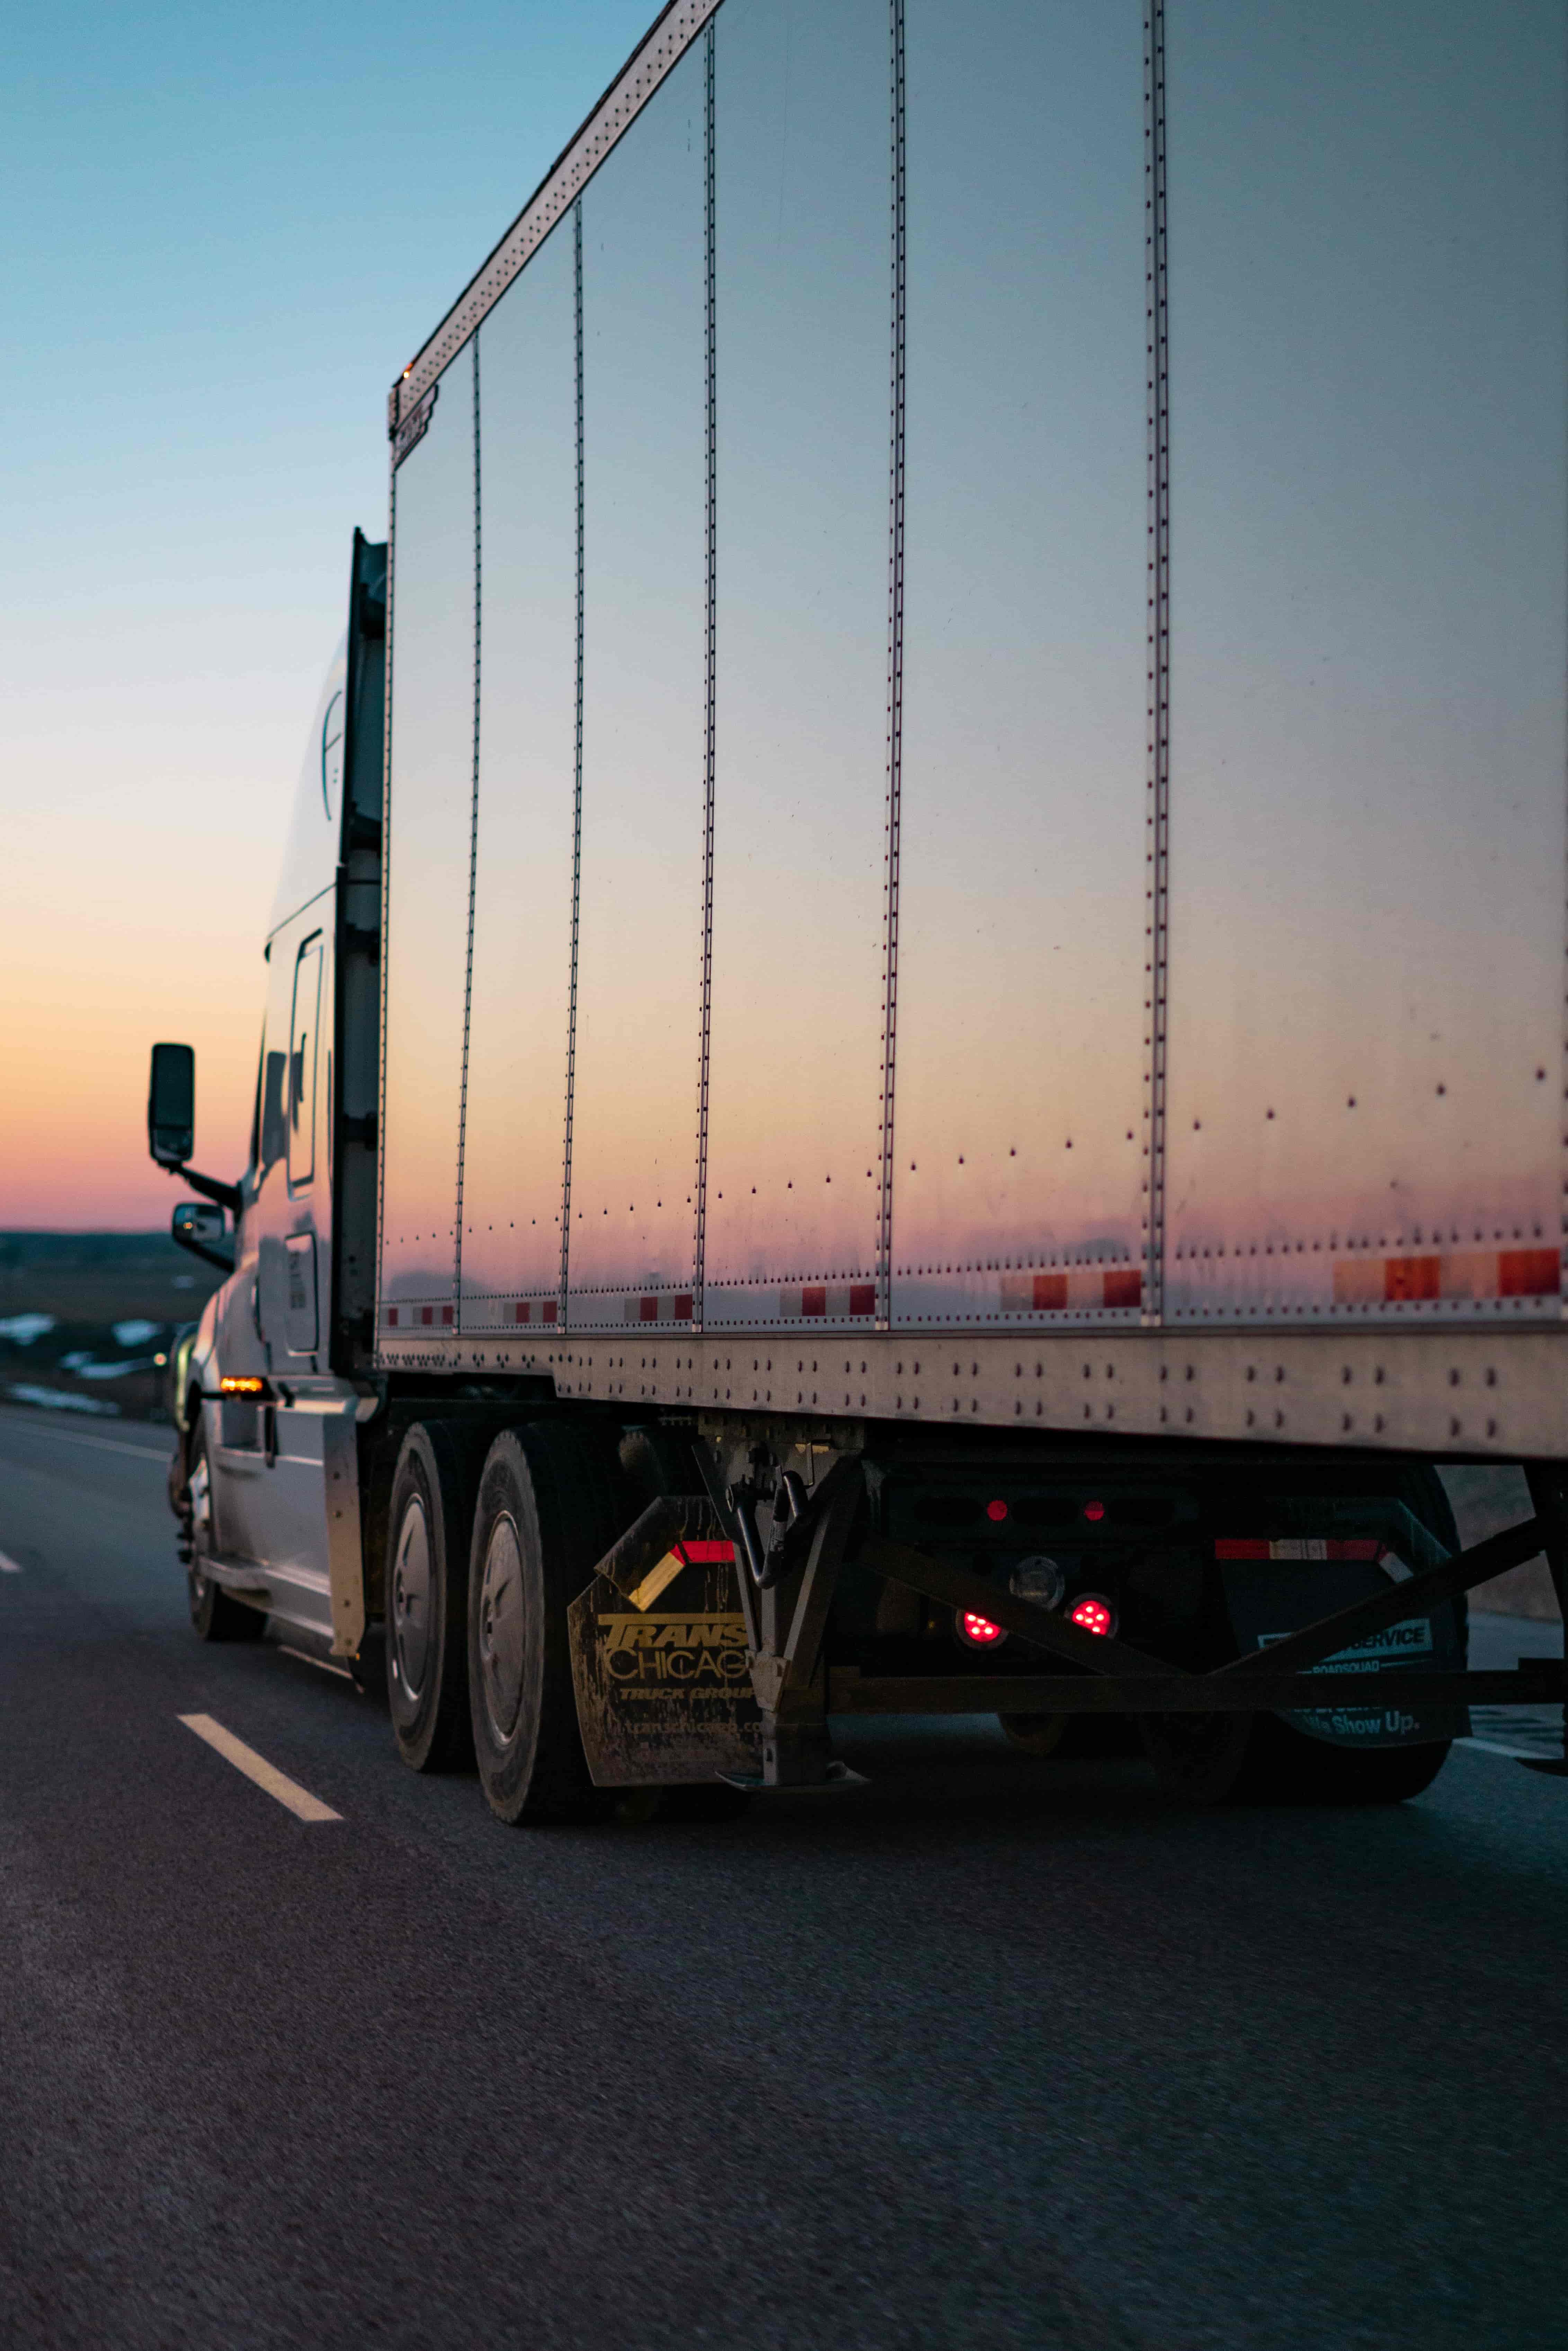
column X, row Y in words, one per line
column 1459, row 1274
column 415, row 1318
column 842, row 1301
column 535, row 1309
column 704, row 1554
column 1093, row 1286
column 659, row 1306
column 1300, row 1547
column 663, row 1573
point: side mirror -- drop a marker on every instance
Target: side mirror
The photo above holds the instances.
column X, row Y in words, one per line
column 196, row 1220
column 171, row 1106
column 198, row 1227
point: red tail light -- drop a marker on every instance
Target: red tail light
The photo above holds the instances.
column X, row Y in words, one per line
column 1092, row 1614
column 978, row 1630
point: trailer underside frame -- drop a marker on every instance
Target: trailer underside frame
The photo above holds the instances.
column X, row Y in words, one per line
column 787, row 1587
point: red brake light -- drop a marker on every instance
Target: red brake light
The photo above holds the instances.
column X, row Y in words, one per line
column 1092, row 1614
column 1095, row 1510
column 996, row 1512
column 978, row 1630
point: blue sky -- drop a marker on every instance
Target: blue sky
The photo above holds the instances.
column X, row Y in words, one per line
column 224, row 230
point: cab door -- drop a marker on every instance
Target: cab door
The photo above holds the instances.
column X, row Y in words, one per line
column 295, row 1218
column 277, row 1486
column 241, row 1432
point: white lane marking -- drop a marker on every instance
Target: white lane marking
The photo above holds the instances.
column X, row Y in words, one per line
column 79, row 1437
column 288, row 1792
column 9, row 1566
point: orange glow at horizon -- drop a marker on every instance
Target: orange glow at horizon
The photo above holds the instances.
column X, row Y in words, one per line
column 114, row 936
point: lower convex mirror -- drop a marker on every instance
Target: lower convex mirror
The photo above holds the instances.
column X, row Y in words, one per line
column 197, row 1221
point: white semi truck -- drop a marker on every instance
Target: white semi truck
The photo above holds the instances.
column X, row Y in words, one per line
column 914, row 1057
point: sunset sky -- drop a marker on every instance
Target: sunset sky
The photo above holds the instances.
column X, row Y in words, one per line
column 224, row 230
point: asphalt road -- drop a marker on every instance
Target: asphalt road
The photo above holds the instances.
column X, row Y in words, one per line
column 998, row 2052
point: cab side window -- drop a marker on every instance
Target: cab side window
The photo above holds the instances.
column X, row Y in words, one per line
column 273, row 1113
column 272, row 1109
column 301, row 1074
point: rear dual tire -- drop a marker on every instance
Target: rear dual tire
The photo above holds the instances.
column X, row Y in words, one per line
column 1207, row 1760
column 1202, row 1760
column 545, row 1517
column 427, row 1601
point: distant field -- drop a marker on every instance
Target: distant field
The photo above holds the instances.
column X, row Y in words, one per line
column 101, row 1277
column 85, row 1317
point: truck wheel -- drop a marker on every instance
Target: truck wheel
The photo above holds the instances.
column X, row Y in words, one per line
column 1034, row 1734
column 427, row 1601
column 1286, row 1767
column 544, row 1522
column 1199, row 1760
column 1202, row 1759
column 215, row 1613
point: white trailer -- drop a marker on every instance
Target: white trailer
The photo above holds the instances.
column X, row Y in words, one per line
column 924, row 1066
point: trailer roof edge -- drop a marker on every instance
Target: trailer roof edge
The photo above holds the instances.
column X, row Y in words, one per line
column 659, row 51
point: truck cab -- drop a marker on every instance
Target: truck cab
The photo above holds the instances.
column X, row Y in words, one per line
column 273, row 1390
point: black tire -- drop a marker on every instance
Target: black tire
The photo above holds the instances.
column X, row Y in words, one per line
column 428, row 1525
column 545, row 1518
column 1239, row 1759
column 1034, row 1734
column 1288, row 1767
column 215, row 1615
column 1199, row 1760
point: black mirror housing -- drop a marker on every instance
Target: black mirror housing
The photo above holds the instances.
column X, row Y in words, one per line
column 171, row 1106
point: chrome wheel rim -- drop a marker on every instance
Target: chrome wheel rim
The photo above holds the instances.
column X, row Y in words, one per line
column 501, row 1628
column 410, row 1599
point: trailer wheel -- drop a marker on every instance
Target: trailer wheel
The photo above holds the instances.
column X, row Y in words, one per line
column 1034, row 1734
column 543, row 1523
column 1286, row 1767
column 1199, row 1760
column 215, row 1613
column 427, row 1601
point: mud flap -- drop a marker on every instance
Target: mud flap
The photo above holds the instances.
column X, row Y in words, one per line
column 663, row 1692
column 1272, row 1589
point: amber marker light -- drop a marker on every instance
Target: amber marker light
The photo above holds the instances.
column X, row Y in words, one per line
column 241, row 1384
